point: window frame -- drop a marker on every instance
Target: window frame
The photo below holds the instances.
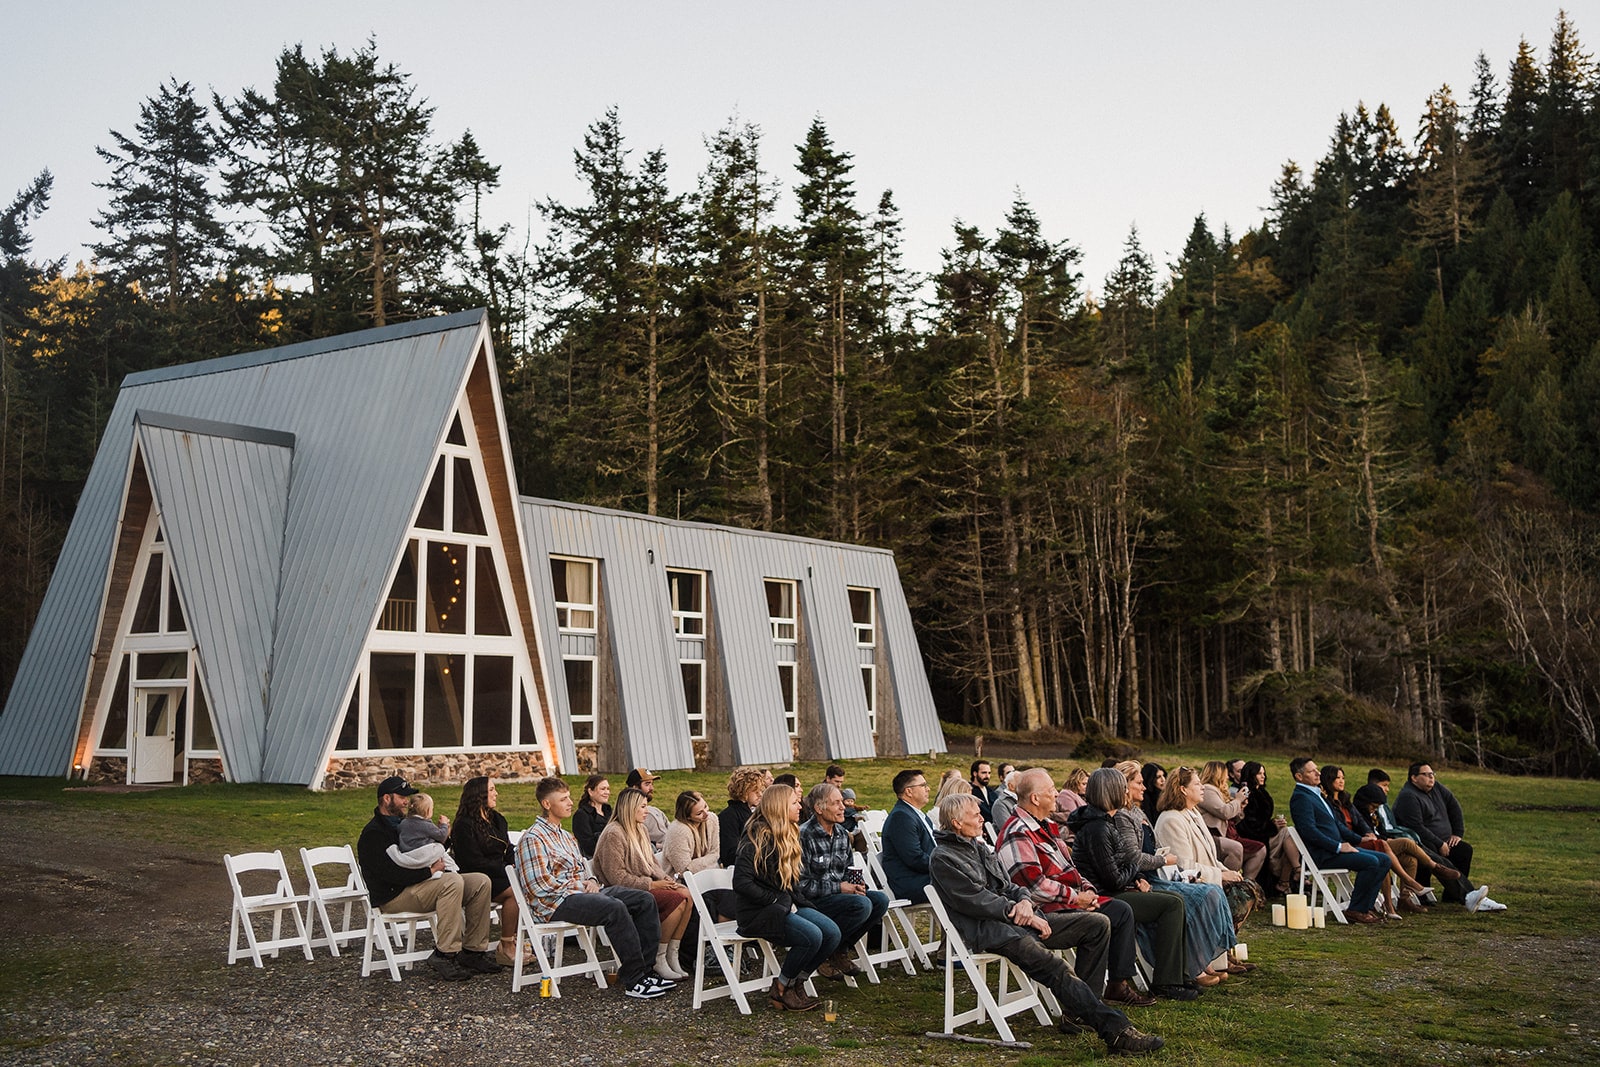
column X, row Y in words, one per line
column 592, row 718
column 680, row 618
column 780, row 623
column 870, row 627
column 565, row 608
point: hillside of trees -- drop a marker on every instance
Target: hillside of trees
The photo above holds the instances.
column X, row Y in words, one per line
column 1332, row 480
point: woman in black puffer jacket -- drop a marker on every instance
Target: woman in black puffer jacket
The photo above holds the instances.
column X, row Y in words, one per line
column 1102, row 855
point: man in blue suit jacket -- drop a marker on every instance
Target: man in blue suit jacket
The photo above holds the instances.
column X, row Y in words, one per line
column 1332, row 843
column 907, row 841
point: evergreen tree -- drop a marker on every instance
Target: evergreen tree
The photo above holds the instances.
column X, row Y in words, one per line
column 1128, row 310
column 162, row 230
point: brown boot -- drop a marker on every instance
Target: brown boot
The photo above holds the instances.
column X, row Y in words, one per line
column 795, row 999
column 1121, row 991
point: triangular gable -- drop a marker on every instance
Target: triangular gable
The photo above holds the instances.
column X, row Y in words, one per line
column 222, row 494
column 366, row 410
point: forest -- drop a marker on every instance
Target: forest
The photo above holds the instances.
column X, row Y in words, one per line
column 1333, row 480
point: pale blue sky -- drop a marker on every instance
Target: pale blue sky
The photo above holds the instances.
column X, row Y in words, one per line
column 1102, row 115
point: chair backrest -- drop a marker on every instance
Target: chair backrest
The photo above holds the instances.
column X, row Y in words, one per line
column 246, row 862
column 700, row 883
column 872, row 820
column 517, row 893
column 956, row 947
column 329, row 856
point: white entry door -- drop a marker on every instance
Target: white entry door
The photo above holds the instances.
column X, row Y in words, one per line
column 155, row 735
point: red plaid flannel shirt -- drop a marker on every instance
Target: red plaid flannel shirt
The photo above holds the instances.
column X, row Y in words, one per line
column 1037, row 859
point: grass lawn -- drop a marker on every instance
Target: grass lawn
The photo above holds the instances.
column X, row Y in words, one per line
column 1516, row 987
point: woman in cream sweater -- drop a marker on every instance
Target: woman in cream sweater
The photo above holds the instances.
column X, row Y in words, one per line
column 1181, row 829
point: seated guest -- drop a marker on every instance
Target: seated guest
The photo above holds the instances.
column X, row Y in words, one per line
column 1220, row 810
column 834, row 776
column 593, row 812
column 1154, row 778
column 693, row 837
column 1002, row 806
column 1413, row 859
column 550, row 868
column 1035, row 855
column 1183, row 831
column 826, row 879
column 655, row 820
column 459, row 902
column 994, row 915
column 1259, row 822
column 745, row 787
column 906, row 840
column 1070, row 797
column 1332, row 843
column 982, row 789
column 1119, row 869
column 769, row 903
column 1236, row 778
column 623, row 857
column 1333, row 792
column 1208, row 922
column 481, row 841
column 1433, row 813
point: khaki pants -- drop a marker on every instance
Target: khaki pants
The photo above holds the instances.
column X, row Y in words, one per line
column 448, row 896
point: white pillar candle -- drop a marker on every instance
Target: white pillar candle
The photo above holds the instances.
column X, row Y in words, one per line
column 1295, row 898
column 1241, row 951
column 1279, row 916
column 1319, row 918
column 1299, row 916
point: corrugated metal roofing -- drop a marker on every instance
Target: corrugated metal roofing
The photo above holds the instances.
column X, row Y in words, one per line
column 222, row 502
column 635, row 551
column 367, row 417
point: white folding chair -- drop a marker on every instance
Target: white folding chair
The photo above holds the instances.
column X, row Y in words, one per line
column 549, row 942
column 347, row 897
column 246, row 906
column 993, row 1007
column 895, row 948
column 905, row 914
column 872, row 819
column 1333, row 885
column 394, row 933
column 726, row 944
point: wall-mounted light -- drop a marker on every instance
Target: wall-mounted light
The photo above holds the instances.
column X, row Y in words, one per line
column 650, row 556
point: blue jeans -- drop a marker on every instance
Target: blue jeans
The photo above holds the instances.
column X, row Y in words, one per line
column 1369, row 868
column 854, row 913
column 811, row 937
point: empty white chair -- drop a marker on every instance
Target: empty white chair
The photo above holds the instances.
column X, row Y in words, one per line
column 993, row 1007
column 549, row 941
column 346, row 898
column 275, row 902
column 1332, row 885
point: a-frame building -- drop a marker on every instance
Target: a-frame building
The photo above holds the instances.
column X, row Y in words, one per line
column 312, row 565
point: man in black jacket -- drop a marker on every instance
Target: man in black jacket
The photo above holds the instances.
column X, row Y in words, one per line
column 1433, row 813
column 445, row 893
column 993, row 915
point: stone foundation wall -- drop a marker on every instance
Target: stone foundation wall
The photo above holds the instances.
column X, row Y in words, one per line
column 205, row 771
column 588, row 758
column 104, row 769
column 365, row 772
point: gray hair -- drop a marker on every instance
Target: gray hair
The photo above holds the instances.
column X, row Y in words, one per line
column 1031, row 781
column 819, row 793
column 1107, row 789
column 951, row 807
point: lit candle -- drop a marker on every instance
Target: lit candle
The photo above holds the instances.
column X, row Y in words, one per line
column 1279, row 917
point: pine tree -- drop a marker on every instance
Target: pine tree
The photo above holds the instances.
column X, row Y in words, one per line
column 162, row 229
column 1128, row 308
column 1446, row 183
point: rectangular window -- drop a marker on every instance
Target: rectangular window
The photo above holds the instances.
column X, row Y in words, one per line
column 575, row 593
column 444, row 692
column 492, row 684
column 694, row 694
column 862, row 602
column 446, row 576
column 869, row 682
column 687, row 590
column 392, row 706
column 580, row 697
column 781, row 610
column 786, row 681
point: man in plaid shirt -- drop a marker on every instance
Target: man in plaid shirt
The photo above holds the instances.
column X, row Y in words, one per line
column 550, row 869
column 825, row 878
column 1036, row 858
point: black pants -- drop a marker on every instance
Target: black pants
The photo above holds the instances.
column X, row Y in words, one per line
column 1048, row 969
column 630, row 920
column 1455, row 889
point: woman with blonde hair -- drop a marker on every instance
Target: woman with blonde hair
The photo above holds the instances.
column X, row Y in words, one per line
column 768, row 902
column 623, row 856
column 1182, row 830
column 1219, row 812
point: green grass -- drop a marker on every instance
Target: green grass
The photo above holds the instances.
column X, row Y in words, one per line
column 1446, row 987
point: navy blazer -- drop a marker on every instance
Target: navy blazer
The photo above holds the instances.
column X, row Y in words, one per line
column 1318, row 828
column 907, row 848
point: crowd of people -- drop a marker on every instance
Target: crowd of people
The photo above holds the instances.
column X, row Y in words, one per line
column 1175, row 860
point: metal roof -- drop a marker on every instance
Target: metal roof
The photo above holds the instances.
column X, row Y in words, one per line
column 367, row 417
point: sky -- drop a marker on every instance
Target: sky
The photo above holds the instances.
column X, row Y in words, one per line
column 1102, row 116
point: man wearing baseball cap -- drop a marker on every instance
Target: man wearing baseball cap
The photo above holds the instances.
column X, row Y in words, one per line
column 655, row 820
column 458, row 953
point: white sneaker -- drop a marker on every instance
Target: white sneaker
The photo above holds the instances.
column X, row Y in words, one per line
column 1476, row 898
column 1491, row 905
column 1427, row 897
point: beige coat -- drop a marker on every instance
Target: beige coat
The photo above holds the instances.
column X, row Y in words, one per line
column 617, row 864
column 1185, row 833
column 678, row 848
column 1216, row 809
